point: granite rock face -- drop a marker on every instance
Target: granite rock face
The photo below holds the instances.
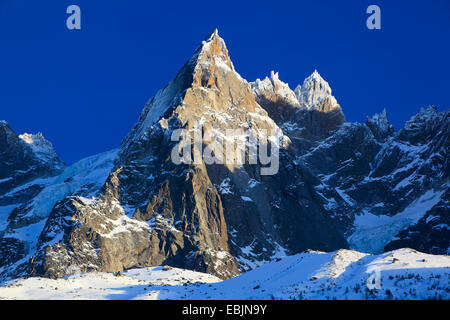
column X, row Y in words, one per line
column 135, row 207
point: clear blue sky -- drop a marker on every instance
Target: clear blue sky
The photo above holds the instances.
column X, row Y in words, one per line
column 84, row 89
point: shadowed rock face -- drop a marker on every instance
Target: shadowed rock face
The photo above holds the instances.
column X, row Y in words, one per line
column 430, row 234
column 21, row 161
column 380, row 126
column 276, row 98
column 133, row 207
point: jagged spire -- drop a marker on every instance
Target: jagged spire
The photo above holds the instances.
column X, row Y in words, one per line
column 274, row 86
column 6, row 132
column 314, row 91
column 213, row 35
column 379, row 125
column 210, row 62
column 214, row 47
column 274, row 76
column 315, row 75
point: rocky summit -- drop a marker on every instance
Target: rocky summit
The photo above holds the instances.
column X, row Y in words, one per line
column 339, row 185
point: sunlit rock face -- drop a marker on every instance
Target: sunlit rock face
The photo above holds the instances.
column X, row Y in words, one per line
column 307, row 114
column 338, row 184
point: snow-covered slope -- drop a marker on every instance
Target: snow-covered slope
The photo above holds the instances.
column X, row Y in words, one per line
column 145, row 283
column 345, row 274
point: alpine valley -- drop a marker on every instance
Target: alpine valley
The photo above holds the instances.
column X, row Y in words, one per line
column 365, row 193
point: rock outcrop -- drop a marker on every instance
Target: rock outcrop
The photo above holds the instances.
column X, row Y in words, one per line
column 380, row 126
column 25, row 157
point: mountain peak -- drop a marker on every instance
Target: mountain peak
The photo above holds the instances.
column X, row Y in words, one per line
column 315, row 93
column 41, row 147
column 5, row 127
column 209, row 69
column 424, row 115
column 213, row 47
column 423, row 125
column 274, row 76
column 429, row 110
column 379, row 125
column 316, row 76
column 7, row 135
column 213, row 35
column 274, row 89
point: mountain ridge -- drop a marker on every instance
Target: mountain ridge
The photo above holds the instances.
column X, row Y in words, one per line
column 133, row 207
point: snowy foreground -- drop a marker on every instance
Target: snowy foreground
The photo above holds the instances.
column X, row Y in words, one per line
column 345, row 274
